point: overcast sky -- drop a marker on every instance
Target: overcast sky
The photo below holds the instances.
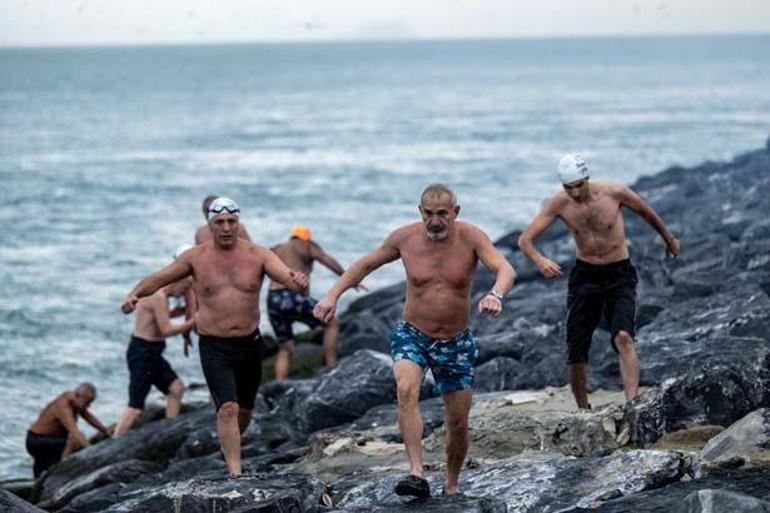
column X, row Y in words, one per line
column 56, row 22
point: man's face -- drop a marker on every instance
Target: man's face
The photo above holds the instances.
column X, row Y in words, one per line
column 82, row 402
column 578, row 191
column 224, row 230
column 438, row 216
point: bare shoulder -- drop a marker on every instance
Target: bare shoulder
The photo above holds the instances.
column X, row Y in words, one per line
column 556, row 203
column 403, row 234
column 471, row 232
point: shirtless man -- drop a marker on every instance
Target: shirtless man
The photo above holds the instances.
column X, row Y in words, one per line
column 55, row 434
column 228, row 274
column 440, row 256
column 603, row 279
column 286, row 306
column 146, row 365
column 203, row 233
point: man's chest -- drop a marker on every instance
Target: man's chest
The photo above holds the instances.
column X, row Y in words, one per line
column 453, row 266
column 601, row 217
column 214, row 275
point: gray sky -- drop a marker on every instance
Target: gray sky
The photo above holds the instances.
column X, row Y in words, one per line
column 55, row 22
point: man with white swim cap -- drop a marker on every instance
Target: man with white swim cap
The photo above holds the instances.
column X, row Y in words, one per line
column 602, row 279
column 203, row 233
column 228, row 277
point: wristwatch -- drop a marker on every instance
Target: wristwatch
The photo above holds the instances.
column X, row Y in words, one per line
column 496, row 293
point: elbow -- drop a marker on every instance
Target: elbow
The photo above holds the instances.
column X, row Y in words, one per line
column 522, row 241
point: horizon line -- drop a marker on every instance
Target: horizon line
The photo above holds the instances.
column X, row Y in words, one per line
column 395, row 39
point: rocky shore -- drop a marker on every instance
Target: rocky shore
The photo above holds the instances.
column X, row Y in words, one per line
column 696, row 440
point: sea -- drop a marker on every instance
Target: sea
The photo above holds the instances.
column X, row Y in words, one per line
column 107, row 152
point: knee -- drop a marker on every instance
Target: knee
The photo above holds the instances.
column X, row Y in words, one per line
column 228, row 411
column 457, row 426
column 623, row 341
column 408, row 393
column 333, row 324
column 176, row 389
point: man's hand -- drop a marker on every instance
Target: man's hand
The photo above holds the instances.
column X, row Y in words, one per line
column 129, row 303
column 324, row 310
column 672, row 246
column 491, row 305
column 299, row 279
column 549, row 268
column 80, row 438
column 110, row 431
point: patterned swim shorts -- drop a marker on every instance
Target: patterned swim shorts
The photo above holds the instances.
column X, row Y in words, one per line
column 451, row 361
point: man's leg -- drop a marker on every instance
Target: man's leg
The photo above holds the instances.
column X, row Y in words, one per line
column 578, row 382
column 283, row 359
column 174, row 398
column 230, row 436
column 244, row 418
column 126, row 420
column 331, row 331
column 408, row 378
column 71, row 446
column 629, row 363
column 457, row 405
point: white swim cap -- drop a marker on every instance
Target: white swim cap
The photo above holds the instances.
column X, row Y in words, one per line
column 572, row 168
column 181, row 249
column 223, row 206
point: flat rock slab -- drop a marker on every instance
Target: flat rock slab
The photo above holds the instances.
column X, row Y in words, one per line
column 209, row 494
column 748, row 440
column 439, row 504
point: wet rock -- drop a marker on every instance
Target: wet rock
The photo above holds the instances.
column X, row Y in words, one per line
column 124, row 471
column 437, row 504
column 99, row 499
column 10, row 503
column 382, row 421
column 747, row 440
column 500, row 373
column 719, row 395
column 716, row 501
column 357, row 384
column 674, row 498
column 211, row 493
column 553, row 485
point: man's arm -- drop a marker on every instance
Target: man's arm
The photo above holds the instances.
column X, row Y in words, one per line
column 387, row 252
column 630, row 199
column 160, row 311
column 66, row 416
column 176, row 270
column 279, row 272
column 539, row 224
column 495, row 262
column 91, row 419
column 316, row 253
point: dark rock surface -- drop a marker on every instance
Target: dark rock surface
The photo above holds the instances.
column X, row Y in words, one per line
column 9, row 503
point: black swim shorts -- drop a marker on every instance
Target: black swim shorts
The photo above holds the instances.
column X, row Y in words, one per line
column 232, row 367
column 45, row 449
column 595, row 290
column 286, row 306
column 147, row 367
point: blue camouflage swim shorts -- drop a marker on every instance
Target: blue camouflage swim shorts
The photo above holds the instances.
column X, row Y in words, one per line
column 451, row 361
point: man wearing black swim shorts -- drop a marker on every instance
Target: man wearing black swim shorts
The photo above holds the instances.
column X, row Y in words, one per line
column 603, row 280
column 228, row 275
column 55, row 434
column 285, row 306
column 146, row 365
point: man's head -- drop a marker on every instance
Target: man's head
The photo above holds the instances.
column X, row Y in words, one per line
column 439, row 209
column 223, row 214
column 85, row 393
column 206, row 204
column 301, row 232
column 574, row 176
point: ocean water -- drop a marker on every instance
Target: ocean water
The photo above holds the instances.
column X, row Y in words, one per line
column 106, row 153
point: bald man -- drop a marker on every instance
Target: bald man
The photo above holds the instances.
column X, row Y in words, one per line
column 55, row 434
column 440, row 256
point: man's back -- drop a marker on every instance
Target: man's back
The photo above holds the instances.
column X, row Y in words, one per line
column 145, row 324
column 297, row 254
column 48, row 422
column 439, row 278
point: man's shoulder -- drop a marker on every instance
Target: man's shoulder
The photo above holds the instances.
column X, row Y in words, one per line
column 406, row 232
column 469, row 230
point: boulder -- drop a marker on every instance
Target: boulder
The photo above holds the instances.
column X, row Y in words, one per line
column 747, row 441
column 717, row 501
column 437, row 504
column 349, row 390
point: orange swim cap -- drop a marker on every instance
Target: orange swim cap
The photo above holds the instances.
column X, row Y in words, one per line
column 301, row 232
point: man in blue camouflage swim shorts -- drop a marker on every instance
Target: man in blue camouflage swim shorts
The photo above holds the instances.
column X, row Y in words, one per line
column 440, row 256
